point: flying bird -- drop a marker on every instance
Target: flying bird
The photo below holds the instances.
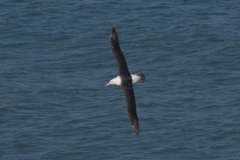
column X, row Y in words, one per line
column 125, row 80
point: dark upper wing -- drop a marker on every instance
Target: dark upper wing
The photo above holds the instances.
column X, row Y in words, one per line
column 116, row 50
column 131, row 106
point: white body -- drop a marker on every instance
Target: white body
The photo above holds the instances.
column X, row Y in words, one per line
column 117, row 80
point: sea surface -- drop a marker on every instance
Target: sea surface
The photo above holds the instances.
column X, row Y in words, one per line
column 55, row 59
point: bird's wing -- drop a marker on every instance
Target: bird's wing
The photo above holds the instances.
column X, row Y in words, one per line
column 131, row 106
column 117, row 52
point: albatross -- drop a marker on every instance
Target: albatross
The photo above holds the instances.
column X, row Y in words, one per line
column 125, row 80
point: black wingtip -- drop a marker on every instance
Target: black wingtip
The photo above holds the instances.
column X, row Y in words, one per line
column 113, row 29
column 135, row 127
column 135, row 123
column 114, row 38
column 113, row 32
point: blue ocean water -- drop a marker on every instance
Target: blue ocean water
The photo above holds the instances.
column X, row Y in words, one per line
column 55, row 59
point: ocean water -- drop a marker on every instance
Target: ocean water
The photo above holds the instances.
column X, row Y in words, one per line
column 55, row 59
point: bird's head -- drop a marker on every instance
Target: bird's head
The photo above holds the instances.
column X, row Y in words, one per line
column 114, row 81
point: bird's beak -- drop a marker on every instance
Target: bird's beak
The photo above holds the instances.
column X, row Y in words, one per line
column 108, row 84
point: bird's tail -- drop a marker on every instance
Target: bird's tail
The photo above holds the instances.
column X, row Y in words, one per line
column 142, row 77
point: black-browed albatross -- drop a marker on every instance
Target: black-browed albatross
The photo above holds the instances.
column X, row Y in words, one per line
column 125, row 79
